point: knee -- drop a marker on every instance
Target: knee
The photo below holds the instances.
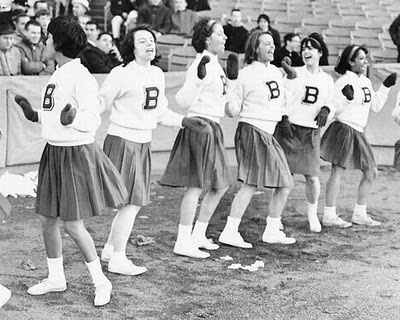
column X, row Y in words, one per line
column 371, row 175
column 219, row 192
column 71, row 228
column 117, row 20
column 314, row 180
column 48, row 222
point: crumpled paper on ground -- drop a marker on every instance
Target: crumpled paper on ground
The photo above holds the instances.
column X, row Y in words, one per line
column 253, row 267
column 18, row 185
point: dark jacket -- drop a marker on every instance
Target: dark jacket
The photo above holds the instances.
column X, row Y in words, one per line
column 158, row 17
column 198, row 5
column 236, row 38
column 281, row 52
column 394, row 31
column 96, row 61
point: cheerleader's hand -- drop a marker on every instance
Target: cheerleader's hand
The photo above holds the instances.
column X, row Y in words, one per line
column 201, row 68
column 232, row 67
column 26, row 107
column 390, row 80
column 67, row 115
column 196, row 124
column 348, row 92
column 287, row 66
column 285, row 127
column 322, row 116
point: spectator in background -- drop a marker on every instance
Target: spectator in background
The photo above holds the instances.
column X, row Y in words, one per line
column 43, row 17
column 83, row 20
column 19, row 23
column 198, row 5
column 92, row 32
column 394, row 31
column 183, row 19
column 157, row 16
column 40, row 5
column 264, row 24
column 10, row 56
column 33, row 51
column 235, row 32
column 62, row 7
column 80, row 7
column 291, row 49
column 323, row 61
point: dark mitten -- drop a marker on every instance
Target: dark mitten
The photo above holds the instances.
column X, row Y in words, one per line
column 285, row 127
column 196, row 124
column 232, row 67
column 67, row 115
column 390, row 80
column 201, row 68
column 26, row 107
column 287, row 66
column 322, row 116
column 348, row 91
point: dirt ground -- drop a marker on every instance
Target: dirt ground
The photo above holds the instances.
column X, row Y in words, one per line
column 337, row 274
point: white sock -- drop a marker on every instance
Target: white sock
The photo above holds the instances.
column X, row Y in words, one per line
column 360, row 210
column 232, row 224
column 184, row 233
column 312, row 208
column 56, row 269
column 108, row 249
column 199, row 230
column 330, row 212
column 313, row 220
column 96, row 272
column 119, row 255
column 273, row 224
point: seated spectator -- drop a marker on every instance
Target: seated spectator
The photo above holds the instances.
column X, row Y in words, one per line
column 264, row 24
column 323, row 61
column 183, row 19
column 33, row 51
column 43, row 17
column 40, row 5
column 92, row 32
column 394, row 31
column 157, row 16
column 235, row 32
column 80, row 7
column 290, row 49
column 83, row 20
column 103, row 57
column 19, row 23
column 10, row 56
column 62, row 7
column 198, row 5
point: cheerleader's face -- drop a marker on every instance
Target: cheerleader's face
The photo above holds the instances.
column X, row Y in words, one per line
column 216, row 42
column 266, row 48
column 310, row 55
column 145, row 46
column 360, row 63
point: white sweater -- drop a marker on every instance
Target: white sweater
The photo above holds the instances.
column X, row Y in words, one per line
column 136, row 96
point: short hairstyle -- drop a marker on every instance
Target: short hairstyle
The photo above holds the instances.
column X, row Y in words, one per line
column 235, row 9
column 263, row 16
column 289, row 36
column 128, row 45
column 42, row 12
column 68, row 36
column 39, row 1
column 252, row 43
column 202, row 30
column 310, row 43
column 93, row 23
column 32, row 23
column 19, row 16
column 105, row 33
column 349, row 53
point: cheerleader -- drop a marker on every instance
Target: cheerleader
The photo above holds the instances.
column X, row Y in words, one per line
column 76, row 179
column 344, row 143
column 135, row 92
column 199, row 162
column 258, row 100
column 309, row 102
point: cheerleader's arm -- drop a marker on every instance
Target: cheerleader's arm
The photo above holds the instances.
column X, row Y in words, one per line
column 379, row 98
column 191, row 90
column 109, row 90
column 396, row 110
column 234, row 98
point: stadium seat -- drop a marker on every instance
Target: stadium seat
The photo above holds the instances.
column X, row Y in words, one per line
column 180, row 58
column 383, row 56
column 164, row 45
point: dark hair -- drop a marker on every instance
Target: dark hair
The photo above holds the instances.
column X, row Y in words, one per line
column 39, row 1
column 235, row 9
column 128, row 45
column 252, row 43
column 289, row 37
column 263, row 16
column 349, row 54
column 68, row 36
column 32, row 23
column 94, row 23
column 202, row 30
column 19, row 16
column 323, row 61
column 310, row 43
column 42, row 12
column 105, row 33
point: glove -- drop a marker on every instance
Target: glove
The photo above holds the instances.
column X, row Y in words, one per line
column 201, row 68
column 67, row 115
column 232, row 67
column 348, row 92
column 196, row 124
column 322, row 116
column 26, row 107
column 287, row 66
column 285, row 127
column 390, row 80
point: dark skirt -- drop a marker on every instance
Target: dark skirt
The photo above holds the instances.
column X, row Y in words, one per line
column 347, row 148
column 302, row 151
column 198, row 160
column 396, row 160
column 133, row 161
column 261, row 160
column 77, row 182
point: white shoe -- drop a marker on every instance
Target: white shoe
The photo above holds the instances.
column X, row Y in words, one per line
column 125, row 266
column 102, row 294
column 105, row 255
column 277, row 237
column 234, row 239
column 313, row 221
column 335, row 221
column 190, row 250
column 46, row 286
column 205, row 243
column 281, row 226
column 5, row 295
column 364, row 220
